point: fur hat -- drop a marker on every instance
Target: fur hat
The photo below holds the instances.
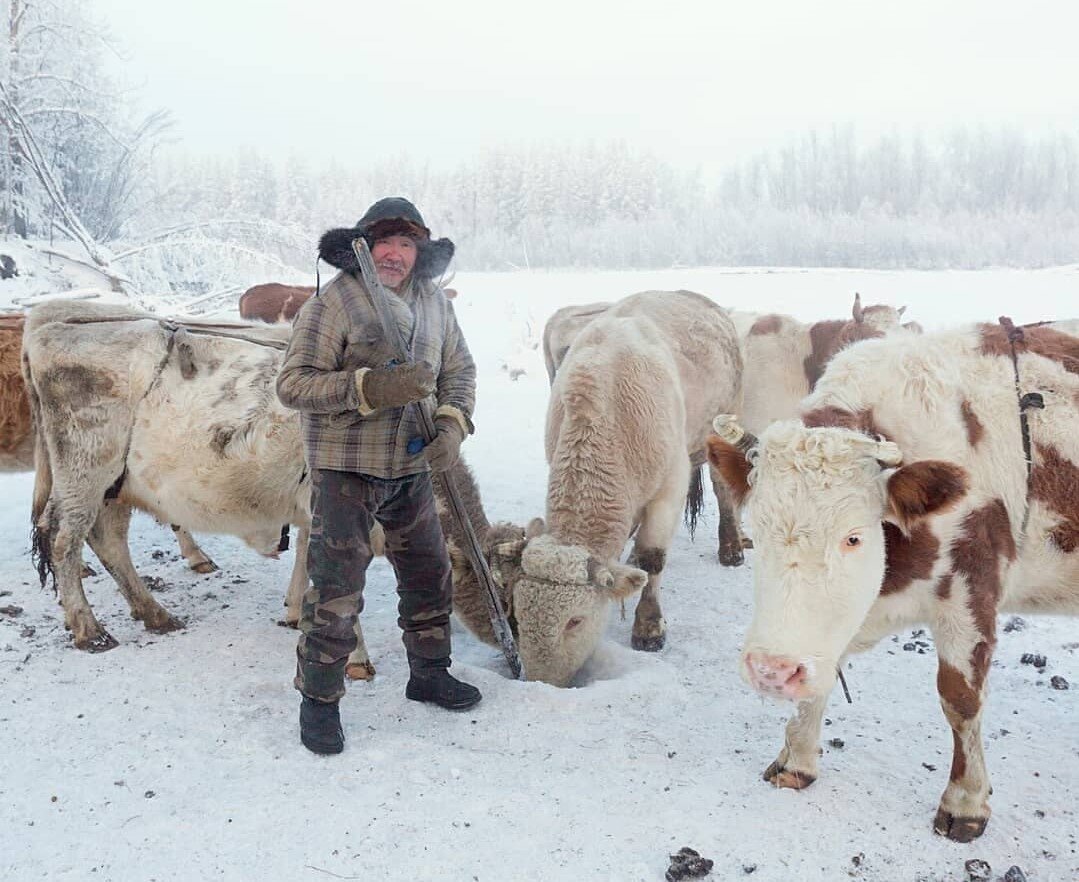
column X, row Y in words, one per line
column 388, row 217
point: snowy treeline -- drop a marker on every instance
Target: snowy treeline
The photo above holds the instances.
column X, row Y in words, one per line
column 75, row 152
column 80, row 161
column 971, row 198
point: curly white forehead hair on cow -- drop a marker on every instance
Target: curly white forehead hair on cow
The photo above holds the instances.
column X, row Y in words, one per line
column 393, row 216
column 821, row 457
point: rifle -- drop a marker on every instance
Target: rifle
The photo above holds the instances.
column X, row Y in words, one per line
column 380, row 300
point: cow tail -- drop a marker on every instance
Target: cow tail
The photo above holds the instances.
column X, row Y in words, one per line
column 694, row 498
column 42, row 528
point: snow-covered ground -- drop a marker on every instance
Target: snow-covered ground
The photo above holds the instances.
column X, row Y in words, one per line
column 177, row 757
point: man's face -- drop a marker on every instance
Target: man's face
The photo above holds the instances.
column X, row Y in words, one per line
column 394, row 258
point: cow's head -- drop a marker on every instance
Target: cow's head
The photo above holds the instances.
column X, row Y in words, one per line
column 266, row 542
column 560, row 600
column 817, row 501
column 874, row 320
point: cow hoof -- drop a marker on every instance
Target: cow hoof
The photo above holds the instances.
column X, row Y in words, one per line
column 958, row 829
column 789, row 779
column 360, row 670
column 87, row 571
column 205, row 567
column 285, row 623
column 747, row 542
column 164, row 624
column 103, row 642
column 653, row 643
column 732, row 557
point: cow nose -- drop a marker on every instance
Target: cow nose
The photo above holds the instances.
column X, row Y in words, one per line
column 776, row 675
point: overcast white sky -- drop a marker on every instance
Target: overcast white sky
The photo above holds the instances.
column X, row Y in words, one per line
column 696, row 82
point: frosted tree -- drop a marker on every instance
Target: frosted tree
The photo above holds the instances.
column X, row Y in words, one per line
column 73, row 154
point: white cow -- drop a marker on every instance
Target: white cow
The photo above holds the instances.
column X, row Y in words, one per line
column 632, row 402
column 133, row 413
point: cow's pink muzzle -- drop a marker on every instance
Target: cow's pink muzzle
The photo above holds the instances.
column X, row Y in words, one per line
column 777, row 675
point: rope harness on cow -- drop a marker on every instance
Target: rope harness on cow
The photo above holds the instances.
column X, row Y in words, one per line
column 172, row 331
column 215, row 330
column 1027, row 401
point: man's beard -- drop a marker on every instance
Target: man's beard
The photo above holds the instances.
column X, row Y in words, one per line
column 393, row 266
column 392, row 274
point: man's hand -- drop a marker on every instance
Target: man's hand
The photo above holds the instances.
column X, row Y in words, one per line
column 444, row 450
column 395, row 386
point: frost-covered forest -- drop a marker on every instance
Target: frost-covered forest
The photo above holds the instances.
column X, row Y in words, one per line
column 88, row 169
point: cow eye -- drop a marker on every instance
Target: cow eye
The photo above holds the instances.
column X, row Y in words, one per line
column 851, row 542
column 573, row 623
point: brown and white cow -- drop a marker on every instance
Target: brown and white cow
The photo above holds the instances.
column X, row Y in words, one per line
column 632, row 402
column 784, row 357
column 273, row 302
column 902, row 497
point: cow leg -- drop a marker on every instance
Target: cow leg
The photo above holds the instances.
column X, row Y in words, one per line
column 298, row 582
column 796, row 766
column 658, row 524
column 961, row 674
column 358, row 666
column 731, row 540
column 63, row 528
column 108, row 539
column 196, row 558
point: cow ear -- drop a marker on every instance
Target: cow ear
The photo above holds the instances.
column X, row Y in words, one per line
column 732, row 466
column 458, row 559
column 618, row 580
column 916, row 491
column 508, row 552
column 536, row 527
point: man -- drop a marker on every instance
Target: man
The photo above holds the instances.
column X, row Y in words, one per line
column 358, row 412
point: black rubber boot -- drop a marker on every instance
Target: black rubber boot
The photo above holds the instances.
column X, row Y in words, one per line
column 438, row 686
column 320, row 726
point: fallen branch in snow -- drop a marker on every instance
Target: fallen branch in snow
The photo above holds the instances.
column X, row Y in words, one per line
column 219, row 294
column 73, row 294
column 329, row 872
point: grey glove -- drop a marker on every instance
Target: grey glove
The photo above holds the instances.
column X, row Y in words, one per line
column 397, row 385
column 445, row 448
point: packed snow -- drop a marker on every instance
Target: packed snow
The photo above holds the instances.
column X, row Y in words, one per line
column 177, row 757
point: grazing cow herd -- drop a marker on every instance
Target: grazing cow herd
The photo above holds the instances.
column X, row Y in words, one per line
column 889, row 477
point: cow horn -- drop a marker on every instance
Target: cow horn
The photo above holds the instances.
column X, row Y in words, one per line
column 888, row 453
column 899, row 312
column 726, row 426
column 857, row 311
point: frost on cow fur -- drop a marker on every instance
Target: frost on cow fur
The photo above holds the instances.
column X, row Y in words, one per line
column 544, row 558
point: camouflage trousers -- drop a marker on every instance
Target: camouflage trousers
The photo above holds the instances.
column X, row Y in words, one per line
column 344, row 506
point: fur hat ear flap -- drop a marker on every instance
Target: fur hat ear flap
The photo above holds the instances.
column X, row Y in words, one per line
column 335, row 247
column 434, row 258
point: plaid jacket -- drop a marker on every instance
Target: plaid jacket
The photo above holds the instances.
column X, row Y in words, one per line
column 336, row 333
